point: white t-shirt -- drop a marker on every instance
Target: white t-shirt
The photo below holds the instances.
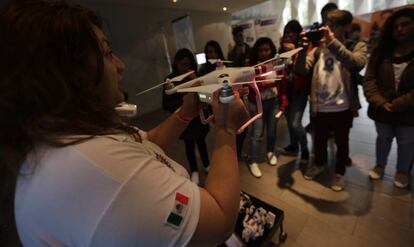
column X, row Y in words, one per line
column 331, row 92
column 108, row 191
column 398, row 71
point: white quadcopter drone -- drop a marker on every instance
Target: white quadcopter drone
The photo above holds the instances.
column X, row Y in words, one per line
column 227, row 79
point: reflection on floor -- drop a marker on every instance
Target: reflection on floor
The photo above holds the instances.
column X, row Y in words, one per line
column 367, row 213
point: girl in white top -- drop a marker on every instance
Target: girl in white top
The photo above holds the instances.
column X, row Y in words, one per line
column 74, row 173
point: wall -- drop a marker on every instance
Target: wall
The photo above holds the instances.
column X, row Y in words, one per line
column 136, row 35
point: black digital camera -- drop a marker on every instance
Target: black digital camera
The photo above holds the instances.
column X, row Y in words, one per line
column 314, row 34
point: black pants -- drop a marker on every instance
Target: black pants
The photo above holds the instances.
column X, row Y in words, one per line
column 340, row 124
column 190, row 152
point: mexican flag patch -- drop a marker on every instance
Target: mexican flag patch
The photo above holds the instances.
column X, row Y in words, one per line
column 179, row 210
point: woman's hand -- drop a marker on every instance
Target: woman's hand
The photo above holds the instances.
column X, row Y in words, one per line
column 288, row 46
column 191, row 104
column 229, row 116
column 304, row 40
column 388, row 107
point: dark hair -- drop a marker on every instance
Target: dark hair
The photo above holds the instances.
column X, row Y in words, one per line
column 292, row 26
column 386, row 43
column 355, row 27
column 326, row 9
column 254, row 58
column 237, row 30
column 216, row 46
column 50, row 67
column 181, row 54
column 340, row 17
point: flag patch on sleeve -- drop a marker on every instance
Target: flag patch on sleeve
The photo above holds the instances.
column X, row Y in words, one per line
column 179, row 210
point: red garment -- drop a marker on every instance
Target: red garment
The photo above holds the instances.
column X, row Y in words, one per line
column 301, row 83
column 281, row 92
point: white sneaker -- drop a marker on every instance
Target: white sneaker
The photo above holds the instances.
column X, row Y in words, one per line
column 271, row 158
column 401, row 180
column 338, row 183
column 195, row 178
column 255, row 170
column 377, row 172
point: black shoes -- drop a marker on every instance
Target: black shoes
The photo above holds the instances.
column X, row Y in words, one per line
column 291, row 150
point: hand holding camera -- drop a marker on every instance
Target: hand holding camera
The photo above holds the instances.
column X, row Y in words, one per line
column 318, row 34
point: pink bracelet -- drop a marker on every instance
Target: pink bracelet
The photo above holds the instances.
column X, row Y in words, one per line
column 182, row 117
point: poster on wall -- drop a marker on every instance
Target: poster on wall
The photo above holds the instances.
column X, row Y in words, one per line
column 254, row 29
column 268, row 28
column 183, row 33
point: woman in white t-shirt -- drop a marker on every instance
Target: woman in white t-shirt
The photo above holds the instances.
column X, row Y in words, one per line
column 71, row 172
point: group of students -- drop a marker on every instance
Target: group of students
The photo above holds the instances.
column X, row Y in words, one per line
column 326, row 73
column 334, row 66
column 272, row 93
column 72, row 172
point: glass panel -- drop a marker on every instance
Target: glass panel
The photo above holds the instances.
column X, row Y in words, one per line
column 303, row 12
column 287, row 13
column 346, row 4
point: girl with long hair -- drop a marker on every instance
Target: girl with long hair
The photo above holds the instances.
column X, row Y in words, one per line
column 298, row 92
column 274, row 100
column 389, row 88
column 196, row 132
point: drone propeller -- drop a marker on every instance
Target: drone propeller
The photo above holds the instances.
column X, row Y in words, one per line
column 214, row 61
column 181, row 77
column 284, row 55
column 177, row 78
column 290, row 53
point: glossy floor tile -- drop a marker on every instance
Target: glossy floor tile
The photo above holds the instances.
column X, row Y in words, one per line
column 366, row 213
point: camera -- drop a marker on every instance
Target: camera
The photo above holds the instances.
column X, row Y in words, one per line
column 314, row 35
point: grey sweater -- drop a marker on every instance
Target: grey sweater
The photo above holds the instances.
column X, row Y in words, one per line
column 352, row 61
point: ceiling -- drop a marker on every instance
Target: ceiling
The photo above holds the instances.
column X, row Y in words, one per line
column 205, row 5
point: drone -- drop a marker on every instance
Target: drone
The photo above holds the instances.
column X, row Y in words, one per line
column 227, row 79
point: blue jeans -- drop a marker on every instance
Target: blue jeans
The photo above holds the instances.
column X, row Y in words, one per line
column 268, row 121
column 405, row 145
column 294, row 114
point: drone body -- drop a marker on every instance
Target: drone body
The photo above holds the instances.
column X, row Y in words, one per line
column 228, row 79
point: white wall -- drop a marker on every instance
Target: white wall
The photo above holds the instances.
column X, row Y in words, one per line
column 136, row 33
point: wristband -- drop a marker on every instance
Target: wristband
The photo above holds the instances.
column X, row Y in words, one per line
column 182, row 117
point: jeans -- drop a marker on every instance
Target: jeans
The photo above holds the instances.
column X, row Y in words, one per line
column 239, row 142
column 405, row 145
column 268, row 121
column 294, row 114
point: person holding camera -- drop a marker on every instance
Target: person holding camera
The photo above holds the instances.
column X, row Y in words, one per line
column 333, row 100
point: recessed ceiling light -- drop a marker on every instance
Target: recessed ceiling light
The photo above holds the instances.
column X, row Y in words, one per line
column 224, row 8
column 174, row 1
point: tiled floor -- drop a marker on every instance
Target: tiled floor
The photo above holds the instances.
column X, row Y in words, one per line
column 367, row 213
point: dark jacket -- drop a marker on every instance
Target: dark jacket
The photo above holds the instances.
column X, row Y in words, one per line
column 195, row 130
column 239, row 61
column 380, row 89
